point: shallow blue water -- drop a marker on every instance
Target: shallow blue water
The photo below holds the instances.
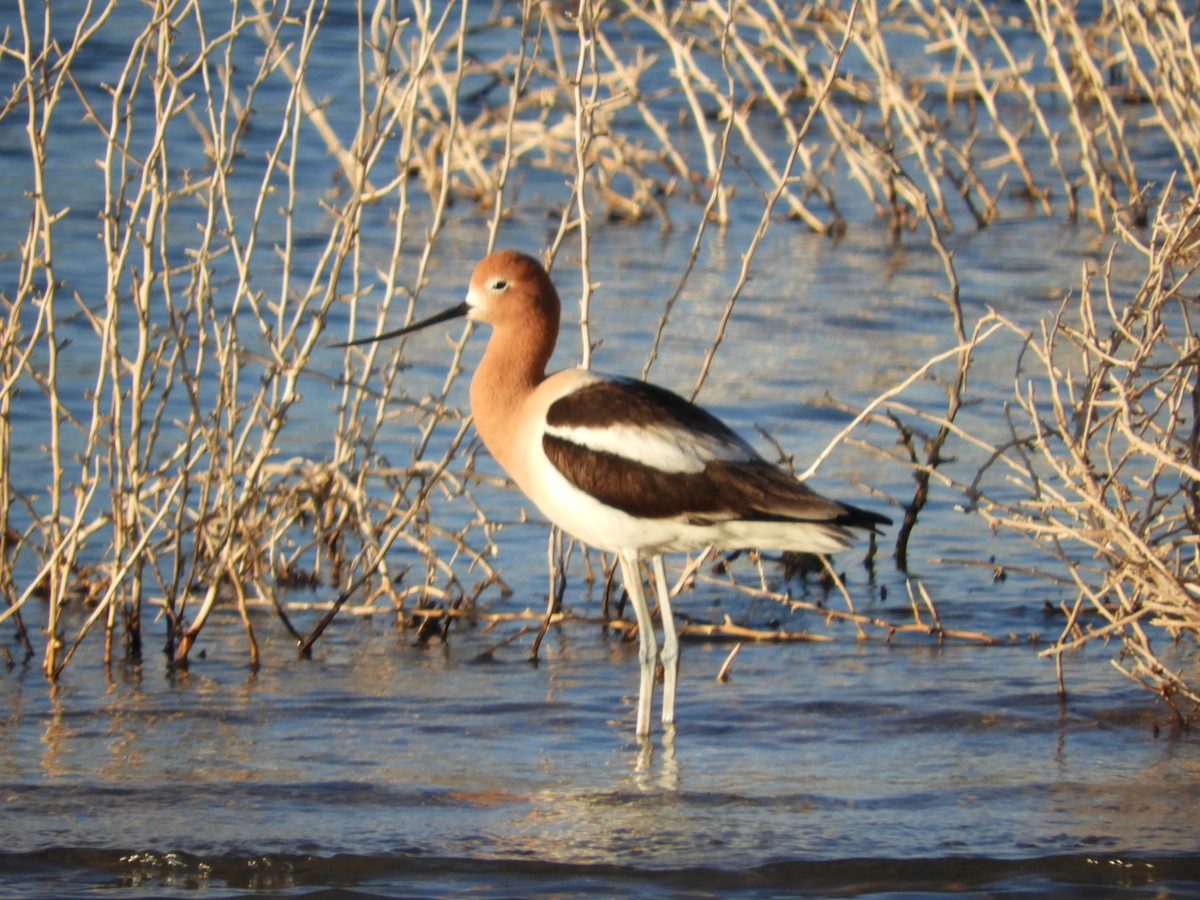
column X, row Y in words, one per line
column 387, row 769
column 856, row 765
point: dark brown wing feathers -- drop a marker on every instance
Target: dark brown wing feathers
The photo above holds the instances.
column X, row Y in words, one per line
column 743, row 486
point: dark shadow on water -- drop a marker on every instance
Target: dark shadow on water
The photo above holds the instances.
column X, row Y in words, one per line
column 409, row 872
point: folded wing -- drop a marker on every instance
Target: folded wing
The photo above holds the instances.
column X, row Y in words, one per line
column 651, row 454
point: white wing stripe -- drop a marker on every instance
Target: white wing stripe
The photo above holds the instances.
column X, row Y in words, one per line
column 666, row 448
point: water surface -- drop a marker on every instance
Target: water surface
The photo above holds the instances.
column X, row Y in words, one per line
column 855, row 765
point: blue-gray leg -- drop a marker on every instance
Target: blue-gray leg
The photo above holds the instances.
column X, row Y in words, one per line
column 647, row 646
column 670, row 646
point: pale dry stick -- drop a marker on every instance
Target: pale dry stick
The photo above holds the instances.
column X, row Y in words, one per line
column 888, row 401
column 687, row 75
column 927, row 600
column 1177, row 619
column 689, row 570
column 779, row 35
column 987, row 93
column 404, row 116
column 109, row 599
column 239, row 499
column 227, row 348
column 1110, row 123
column 895, row 105
column 691, row 73
column 378, row 555
column 434, row 562
column 887, row 396
column 571, row 134
column 145, row 204
column 275, row 335
column 312, row 111
column 587, row 27
column 986, row 81
column 837, row 581
column 1156, row 678
column 630, row 87
column 239, row 590
column 862, row 167
column 14, row 359
column 1041, row 441
column 619, row 163
column 1172, row 87
column 41, row 97
column 1173, row 248
column 727, row 630
column 366, row 152
column 559, row 71
column 477, row 559
column 776, row 193
column 553, row 597
column 1094, row 597
column 1140, row 643
column 754, row 60
column 845, row 616
column 11, row 364
column 305, row 495
column 1166, row 459
column 367, row 147
column 984, row 210
column 384, row 39
column 933, row 447
column 1096, row 381
column 519, row 76
column 1187, row 60
column 75, row 535
column 441, row 201
column 998, row 569
column 225, row 121
column 751, row 58
column 558, row 582
column 130, row 446
column 727, row 665
column 1028, row 91
column 486, row 526
column 464, row 158
column 1078, row 476
column 871, row 163
column 89, row 22
column 587, row 21
column 89, row 461
column 716, row 192
column 1115, row 626
column 191, row 443
column 365, row 611
column 912, row 601
column 353, row 498
column 280, row 334
column 1089, row 153
column 439, row 412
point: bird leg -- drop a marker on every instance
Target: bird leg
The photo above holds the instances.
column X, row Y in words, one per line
column 647, row 645
column 670, row 646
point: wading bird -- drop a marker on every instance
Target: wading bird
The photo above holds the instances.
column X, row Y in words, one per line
column 622, row 465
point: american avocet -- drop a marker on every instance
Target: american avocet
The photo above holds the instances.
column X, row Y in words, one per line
column 622, row 465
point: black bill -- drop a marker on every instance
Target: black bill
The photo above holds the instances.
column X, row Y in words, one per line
column 454, row 312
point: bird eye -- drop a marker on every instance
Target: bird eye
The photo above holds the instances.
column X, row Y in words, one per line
column 496, row 285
